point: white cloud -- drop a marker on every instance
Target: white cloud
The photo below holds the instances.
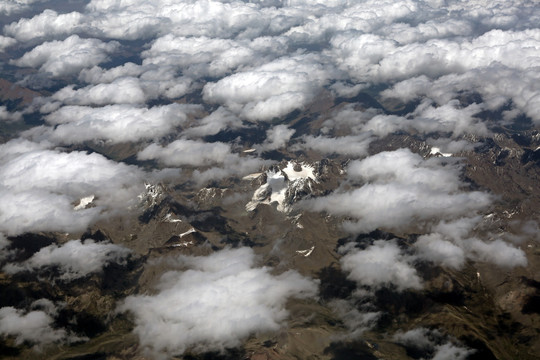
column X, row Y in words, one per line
column 120, row 91
column 8, row 116
column 497, row 252
column 432, row 342
column 434, row 248
column 6, row 42
column 277, row 137
column 202, row 56
column 215, row 304
column 10, row 7
column 32, row 326
column 75, row 259
column 402, row 191
column 40, row 187
column 48, row 24
column 219, row 120
column 187, row 152
column 67, row 57
column 381, row 264
column 113, row 123
column 271, row 90
column 353, row 145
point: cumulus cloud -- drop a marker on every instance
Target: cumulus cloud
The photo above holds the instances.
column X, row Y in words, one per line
column 202, row 56
column 433, row 344
column 40, row 188
column 219, row 120
column 434, row 248
column 187, row 152
column 9, row 7
column 271, row 90
column 277, row 137
column 6, row 42
column 381, row 264
column 113, row 123
column 356, row 145
column 67, row 57
column 215, row 304
column 48, row 24
column 35, row 326
column 120, row 91
column 74, row 259
column 195, row 153
column 401, row 191
column 8, row 116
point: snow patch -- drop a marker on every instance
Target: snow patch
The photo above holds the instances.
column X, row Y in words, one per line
column 190, row 231
column 279, row 183
column 169, row 218
column 84, row 202
column 307, row 252
column 306, row 171
column 437, row 152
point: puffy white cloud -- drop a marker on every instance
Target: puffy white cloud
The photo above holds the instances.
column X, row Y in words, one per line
column 202, row 56
column 381, row 264
column 67, row 57
column 8, row 116
column 48, row 24
column 34, row 326
column 75, row 259
column 120, row 91
column 434, row 248
column 355, row 145
column 497, row 252
column 39, row 188
column 9, row 7
column 271, row 90
column 277, row 137
column 6, row 42
column 402, row 191
column 432, row 342
column 219, row 120
column 185, row 152
column 215, row 304
column 98, row 75
column 113, row 123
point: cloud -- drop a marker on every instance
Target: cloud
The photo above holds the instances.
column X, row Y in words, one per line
column 40, row 188
column 381, row 264
column 8, row 116
column 271, row 90
column 187, row 152
column 219, row 120
column 48, row 24
column 10, row 7
column 433, row 344
column 67, row 57
column 196, row 153
column 6, row 42
column 497, row 252
column 277, row 137
column 113, row 123
column 215, row 304
column 34, row 326
column 206, row 57
column 355, row 145
column 434, row 248
column 75, row 259
column 121, row 91
column 401, row 191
